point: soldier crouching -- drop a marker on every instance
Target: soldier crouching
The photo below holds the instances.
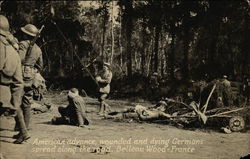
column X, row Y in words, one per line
column 74, row 113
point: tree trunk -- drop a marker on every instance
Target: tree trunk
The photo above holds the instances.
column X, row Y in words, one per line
column 104, row 28
column 129, row 26
column 143, row 49
column 162, row 55
column 156, row 46
column 212, row 52
column 120, row 43
column 152, row 54
column 185, row 69
column 112, row 32
column 245, row 47
column 171, row 59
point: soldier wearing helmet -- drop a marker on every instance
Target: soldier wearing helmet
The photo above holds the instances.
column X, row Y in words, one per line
column 11, row 80
column 32, row 62
column 104, row 78
column 34, row 57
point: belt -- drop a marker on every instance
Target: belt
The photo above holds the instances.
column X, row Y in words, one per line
column 28, row 66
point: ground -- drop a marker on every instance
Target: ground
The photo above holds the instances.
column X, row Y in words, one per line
column 112, row 139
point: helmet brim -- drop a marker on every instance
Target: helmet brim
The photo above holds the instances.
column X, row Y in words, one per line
column 26, row 32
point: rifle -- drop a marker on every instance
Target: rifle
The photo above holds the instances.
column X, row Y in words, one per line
column 84, row 67
column 33, row 42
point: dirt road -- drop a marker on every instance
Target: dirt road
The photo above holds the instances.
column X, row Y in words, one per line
column 110, row 139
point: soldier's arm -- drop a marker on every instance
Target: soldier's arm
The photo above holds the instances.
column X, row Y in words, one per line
column 17, row 86
column 23, row 47
column 107, row 79
column 39, row 63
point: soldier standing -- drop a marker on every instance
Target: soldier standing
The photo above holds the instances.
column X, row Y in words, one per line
column 246, row 90
column 226, row 91
column 154, row 85
column 32, row 62
column 104, row 78
column 11, row 80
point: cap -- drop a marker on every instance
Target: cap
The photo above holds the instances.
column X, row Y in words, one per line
column 73, row 92
column 107, row 64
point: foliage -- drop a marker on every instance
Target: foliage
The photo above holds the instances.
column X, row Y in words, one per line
column 205, row 39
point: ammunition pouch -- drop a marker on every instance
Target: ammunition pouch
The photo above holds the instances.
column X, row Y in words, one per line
column 28, row 73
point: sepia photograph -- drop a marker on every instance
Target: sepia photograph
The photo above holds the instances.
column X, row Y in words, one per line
column 125, row 79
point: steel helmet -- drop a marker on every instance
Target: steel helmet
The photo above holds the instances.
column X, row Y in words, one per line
column 4, row 25
column 30, row 29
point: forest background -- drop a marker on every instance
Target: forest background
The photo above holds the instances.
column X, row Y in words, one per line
column 202, row 39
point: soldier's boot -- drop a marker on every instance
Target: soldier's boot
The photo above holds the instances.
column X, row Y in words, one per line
column 23, row 135
column 101, row 110
column 17, row 135
column 22, row 138
column 107, row 108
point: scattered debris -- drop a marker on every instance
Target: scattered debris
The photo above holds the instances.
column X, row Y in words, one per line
column 176, row 111
column 226, row 130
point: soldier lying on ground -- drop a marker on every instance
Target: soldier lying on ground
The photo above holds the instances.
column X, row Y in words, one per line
column 37, row 108
column 140, row 112
column 39, row 104
column 74, row 113
column 39, row 87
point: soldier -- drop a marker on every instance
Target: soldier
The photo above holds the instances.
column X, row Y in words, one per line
column 140, row 112
column 11, row 80
column 104, row 78
column 154, row 84
column 74, row 113
column 246, row 90
column 226, row 91
column 154, row 80
column 225, row 81
column 32, row 62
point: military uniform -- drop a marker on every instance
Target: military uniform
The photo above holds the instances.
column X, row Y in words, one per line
column 74, row 113
column 104, row 79
column 32, row 61
column 226, row 92
column 154, row 85
column 11, row 83
column 246, row 90
column 154, row 81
